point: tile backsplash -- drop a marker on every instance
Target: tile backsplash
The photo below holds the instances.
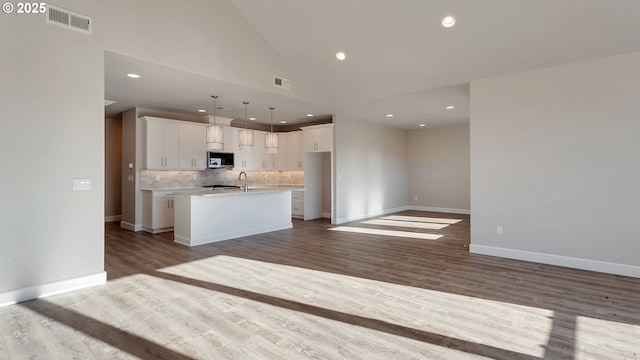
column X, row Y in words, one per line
column 150, row 179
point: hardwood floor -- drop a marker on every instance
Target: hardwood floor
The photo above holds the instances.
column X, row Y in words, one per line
column 363, row 290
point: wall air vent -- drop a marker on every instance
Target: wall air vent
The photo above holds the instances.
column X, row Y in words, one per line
column 281, row 82
column 68, row 19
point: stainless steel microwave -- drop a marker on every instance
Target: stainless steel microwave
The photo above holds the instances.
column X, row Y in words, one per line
column 217, row 160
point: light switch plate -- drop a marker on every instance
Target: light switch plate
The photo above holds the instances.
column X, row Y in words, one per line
column 81, row 184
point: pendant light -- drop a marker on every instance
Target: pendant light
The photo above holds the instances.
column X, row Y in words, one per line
column 271, row 140
column 245, row 137
column 215, row 133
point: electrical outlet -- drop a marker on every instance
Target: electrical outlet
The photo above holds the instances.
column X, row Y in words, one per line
column 157, row 177
column 195, row 177
column 81, row 184
column 415, row 198
column 499, row 230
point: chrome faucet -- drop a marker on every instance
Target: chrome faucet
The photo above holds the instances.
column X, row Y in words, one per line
column 245, row 188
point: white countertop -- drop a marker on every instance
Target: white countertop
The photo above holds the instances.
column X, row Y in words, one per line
column 210, row 190
column 236, row 192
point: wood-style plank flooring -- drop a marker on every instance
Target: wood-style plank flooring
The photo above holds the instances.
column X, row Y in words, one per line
column 393, row 287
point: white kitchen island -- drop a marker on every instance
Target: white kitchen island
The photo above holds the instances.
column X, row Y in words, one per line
column 206, row 217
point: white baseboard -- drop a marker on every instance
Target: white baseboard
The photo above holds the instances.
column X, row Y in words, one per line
column 439, row 209
column 326, row 215
column 113, row 218
column 57, row 287
column 571, row 262
column 131, row 227
column 343, row 220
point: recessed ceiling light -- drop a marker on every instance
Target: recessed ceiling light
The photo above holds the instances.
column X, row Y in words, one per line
column 282, row 122
column 309, row 115
column 201, row 110
column 133, row 76
column 252, row 118
column 389, row 115
column 423, row 125
column 450, row 107
column 340, row 55
column 448, row 21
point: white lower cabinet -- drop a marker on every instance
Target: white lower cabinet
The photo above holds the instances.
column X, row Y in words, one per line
column 297, row 204
column 157, row 211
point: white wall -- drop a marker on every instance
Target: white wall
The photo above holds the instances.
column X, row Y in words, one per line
column 371, row 169
column 51, row 95
column 555, row 156
column 439, row 166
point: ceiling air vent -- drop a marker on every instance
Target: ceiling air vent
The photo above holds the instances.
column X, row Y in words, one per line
column 281, row 82
column 223, row 108
column 68, row 19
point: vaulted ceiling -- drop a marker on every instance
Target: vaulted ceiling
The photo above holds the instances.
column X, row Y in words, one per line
column 400, row 60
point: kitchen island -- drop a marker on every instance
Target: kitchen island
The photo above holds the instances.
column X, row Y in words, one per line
column 206, row 217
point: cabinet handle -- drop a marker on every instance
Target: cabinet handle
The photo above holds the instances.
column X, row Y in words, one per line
column 299, row 164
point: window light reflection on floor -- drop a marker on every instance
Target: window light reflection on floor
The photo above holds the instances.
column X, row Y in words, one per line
column 370, row 231
column 422, row 219
column 462, row 319
column 408, row 224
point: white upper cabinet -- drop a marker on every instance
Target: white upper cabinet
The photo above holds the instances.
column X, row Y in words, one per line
column 279, row 159
column 318, row 138
column 193, row 146
column 259, row 153
column 173, row 145
column 242, row 160
column 265, row 161
column 227, row 130
column 230, row 139
column 160, row 144
column 294, row 151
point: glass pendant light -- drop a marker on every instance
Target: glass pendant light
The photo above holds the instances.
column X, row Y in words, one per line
column 245, row 137
column 215, row 133
column 271, row 140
